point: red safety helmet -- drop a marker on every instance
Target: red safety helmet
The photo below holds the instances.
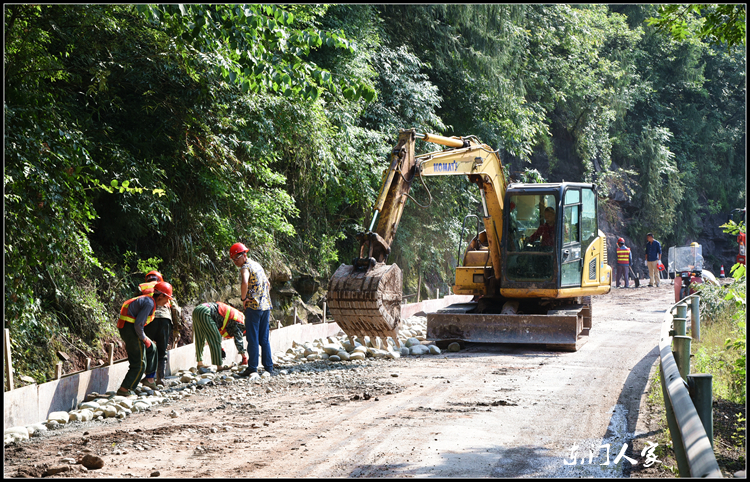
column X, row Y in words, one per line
column 154, row 273
column 164, row 288
column 236, row 249
column 620, row 240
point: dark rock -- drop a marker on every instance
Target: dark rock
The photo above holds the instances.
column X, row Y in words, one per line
column 92, row 462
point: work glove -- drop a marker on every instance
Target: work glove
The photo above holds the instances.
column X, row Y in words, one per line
column 147, row 342
column 244, row 359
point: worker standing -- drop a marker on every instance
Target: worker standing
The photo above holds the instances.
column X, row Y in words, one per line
column 653, row 257
column 624, row 259
column 255, row 293
column 213, row 321
column 135, row 315
column 165, row 318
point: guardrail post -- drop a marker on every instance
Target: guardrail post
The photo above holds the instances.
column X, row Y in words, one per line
column 681, row 344
column 681, row 310
column 701, row 393
column 677, row 442
column 680, row 326
column 695, row 318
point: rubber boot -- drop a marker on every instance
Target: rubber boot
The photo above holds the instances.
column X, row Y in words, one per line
column 248, row 371
column 161, row 367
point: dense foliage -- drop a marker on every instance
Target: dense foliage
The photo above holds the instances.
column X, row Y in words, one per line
column 156, row 136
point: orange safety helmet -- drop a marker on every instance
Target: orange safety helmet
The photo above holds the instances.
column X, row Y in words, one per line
column 164, row 288
column 620, row 240
column 236, row 249
column 158, row 275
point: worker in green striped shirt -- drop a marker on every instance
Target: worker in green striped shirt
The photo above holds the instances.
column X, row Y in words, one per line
column 213, row 321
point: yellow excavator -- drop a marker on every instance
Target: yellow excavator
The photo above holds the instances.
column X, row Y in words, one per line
column 531, row 271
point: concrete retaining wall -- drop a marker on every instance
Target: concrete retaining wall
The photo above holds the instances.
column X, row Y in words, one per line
column 33, row 403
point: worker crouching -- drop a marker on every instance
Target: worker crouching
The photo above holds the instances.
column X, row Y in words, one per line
column 213, row 321
column 135, row 314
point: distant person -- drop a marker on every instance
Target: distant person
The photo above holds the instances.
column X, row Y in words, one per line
column 213, row 321
column 546, row 230
column 624, row 260
column 135, row 315
column 653, row 258
column 166, row 318
column 255, row 293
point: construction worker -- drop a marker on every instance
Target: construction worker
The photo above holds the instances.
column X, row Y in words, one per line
column 135, row 315
column 213, row 321
column 255, row 293
column 653, row 257
column 624, row 260
column 165, row 318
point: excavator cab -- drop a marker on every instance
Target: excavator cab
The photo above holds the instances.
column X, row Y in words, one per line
column 550, row 228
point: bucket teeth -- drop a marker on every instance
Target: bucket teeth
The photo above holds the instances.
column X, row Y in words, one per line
column 367, row 303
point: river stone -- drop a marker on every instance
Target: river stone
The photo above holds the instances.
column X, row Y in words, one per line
column 52, row 424
column 59, row 417
column 186, row 379
column 334, row 358
column 92, row 405
column 36, row 429
column 411, row 342
column 324, row 356
column 331, row 349
column 86, row 415
column 404, row 350
column 357, row 355
column 434, row 350
column 343, row 355
column 418, row 350
column 126, row 403
column 203, row 381
column 109, row 411
column 360, row 349
column 20, row 431
column 455, row 346
column 140, row 406
column 92, row 462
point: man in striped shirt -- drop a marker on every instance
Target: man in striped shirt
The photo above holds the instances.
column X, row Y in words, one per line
column 213, row 321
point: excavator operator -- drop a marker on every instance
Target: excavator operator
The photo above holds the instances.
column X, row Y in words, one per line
column 546, row 230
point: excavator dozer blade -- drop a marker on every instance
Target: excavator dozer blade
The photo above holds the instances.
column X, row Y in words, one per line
column 367, row 303
column 563, row 329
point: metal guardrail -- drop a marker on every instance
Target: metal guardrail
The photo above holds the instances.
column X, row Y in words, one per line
column 692, row 445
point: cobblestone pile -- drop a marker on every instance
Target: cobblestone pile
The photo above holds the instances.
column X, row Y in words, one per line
column 302, row 357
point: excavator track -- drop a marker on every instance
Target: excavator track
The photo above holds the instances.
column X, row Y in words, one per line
column 367, row 303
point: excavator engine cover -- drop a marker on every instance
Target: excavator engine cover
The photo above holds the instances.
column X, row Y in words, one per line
column 367, row 302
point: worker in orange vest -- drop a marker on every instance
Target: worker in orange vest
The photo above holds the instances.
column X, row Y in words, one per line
column 624, row 259
column 135, row 315
column 213, row 321
column 165, row 317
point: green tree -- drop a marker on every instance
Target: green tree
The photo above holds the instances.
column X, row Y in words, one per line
column 720, row 24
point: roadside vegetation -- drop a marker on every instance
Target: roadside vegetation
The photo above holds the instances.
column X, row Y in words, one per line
column 721, row 352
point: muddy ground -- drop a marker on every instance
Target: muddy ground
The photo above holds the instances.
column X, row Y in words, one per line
column 486, row 411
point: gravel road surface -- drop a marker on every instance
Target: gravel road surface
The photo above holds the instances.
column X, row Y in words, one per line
column 485, row 411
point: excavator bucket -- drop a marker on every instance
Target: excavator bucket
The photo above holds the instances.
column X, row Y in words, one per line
column 563, row 329
column 367, row 303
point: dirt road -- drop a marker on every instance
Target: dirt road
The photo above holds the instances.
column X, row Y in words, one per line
column 486, row 411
